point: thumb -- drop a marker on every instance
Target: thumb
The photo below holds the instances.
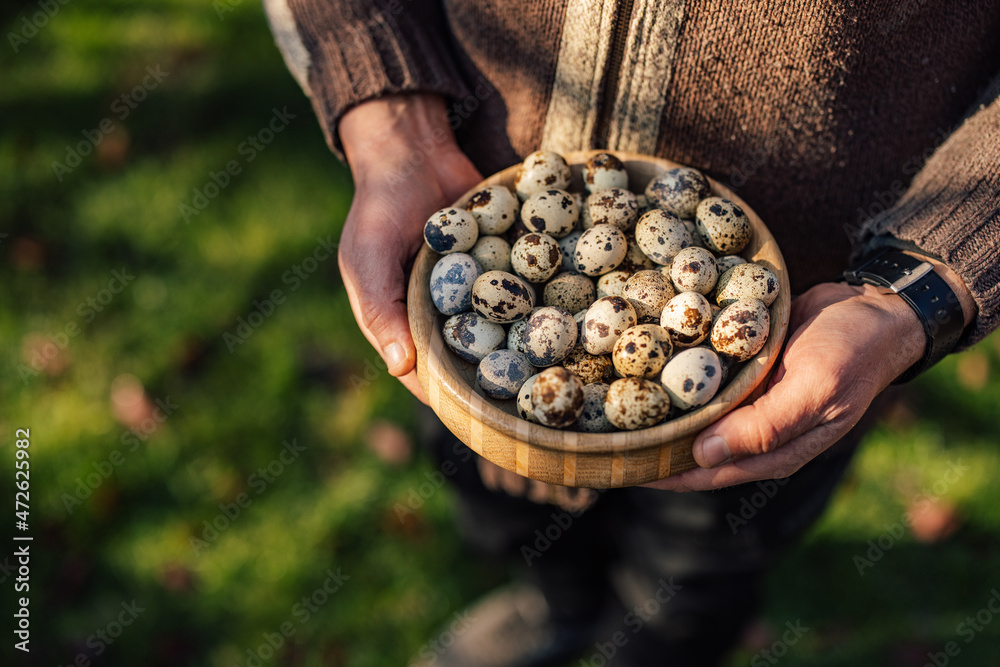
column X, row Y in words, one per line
column 790, row 408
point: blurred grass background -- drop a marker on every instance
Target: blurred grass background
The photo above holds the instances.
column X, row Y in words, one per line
column 122, row 492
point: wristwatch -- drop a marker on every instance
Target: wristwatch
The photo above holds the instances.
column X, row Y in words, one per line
column 936, row 305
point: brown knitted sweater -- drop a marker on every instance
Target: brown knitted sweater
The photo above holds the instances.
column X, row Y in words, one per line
column 839, row 122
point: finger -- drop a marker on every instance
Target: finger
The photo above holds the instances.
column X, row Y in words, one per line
column 791, row 407
column 376, row 289
column 774, row 465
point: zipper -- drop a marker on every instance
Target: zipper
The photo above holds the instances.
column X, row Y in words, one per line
column 619, row 35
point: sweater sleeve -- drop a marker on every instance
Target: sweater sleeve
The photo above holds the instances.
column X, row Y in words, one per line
column 952, row 211
column 345, row 52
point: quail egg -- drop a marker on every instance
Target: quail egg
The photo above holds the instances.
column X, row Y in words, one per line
column 550, row 335
column 692, row 377
column 607, row 319
column 592, row 419
column 536, row 257
column 661, row 235
column 604, row 170
column 492, row 253
column 553, row 212
column 678, row 191
column 557, row 397
column 600, row 249
column 747, row 281
column 495, row 209
column 693, row 270
column 451, row 230
column 567, row 245
column 741, row 329
column 642, row 351
column 612, row 283
column 648, row 292
column 524, row 407
column 570, row 290
column 540, row 171
column 727, row 262
column 687, row 318
column 452, row 279
column 723, row 225
column 633, row 403
column 501, row 297
column 502, row 372
column 472, row 337
column 613, row 206
column 588, row 367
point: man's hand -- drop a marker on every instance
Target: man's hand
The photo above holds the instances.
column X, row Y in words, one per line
column 847, row 344
column 406, row 165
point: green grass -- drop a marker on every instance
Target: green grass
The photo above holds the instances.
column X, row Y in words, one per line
column 331, row 507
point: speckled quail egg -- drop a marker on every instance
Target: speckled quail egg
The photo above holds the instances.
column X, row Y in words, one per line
column 495, row 209
column 633, row 403
column 501, row 297
column 727, row 262
column 604, row 170
column 550, row 335
column 588, row 367
column 570, row 290
column 613, row 206
column 741, row 329
column 687, row 318
column 472, row 336
column 747, row 281
column 645, row 205
column 524, row 407
column 593, row 419
column 648, row 292
column 451, row 230
column 607, row 319
column 557, row 397
column 553, row 212
column 723, row 226
column 693, row 270
column 612, row 283
column 515, row 332
column 600, row 249
column 678, row 191
column 692, row 377
column 452, row 279
column 642, row 351
column 661, row 235
column 502, row 372
column 536, row 257
column 492, row 253
column 540, row 171
column 635, row 258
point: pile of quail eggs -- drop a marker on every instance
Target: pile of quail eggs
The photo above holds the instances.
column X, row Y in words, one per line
column 602, row 310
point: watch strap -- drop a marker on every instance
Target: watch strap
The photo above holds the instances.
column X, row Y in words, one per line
column 930, row 296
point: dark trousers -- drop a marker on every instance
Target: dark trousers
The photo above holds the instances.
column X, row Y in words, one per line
column 679, row 574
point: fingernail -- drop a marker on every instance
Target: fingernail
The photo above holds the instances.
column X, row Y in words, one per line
column 395, row 355
column 713, row 451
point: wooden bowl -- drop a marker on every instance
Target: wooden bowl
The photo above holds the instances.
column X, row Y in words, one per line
column 492, row 428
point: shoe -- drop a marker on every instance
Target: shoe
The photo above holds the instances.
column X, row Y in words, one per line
column 510, row 627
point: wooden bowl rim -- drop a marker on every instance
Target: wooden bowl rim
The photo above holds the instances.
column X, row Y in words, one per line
column 426, row 323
